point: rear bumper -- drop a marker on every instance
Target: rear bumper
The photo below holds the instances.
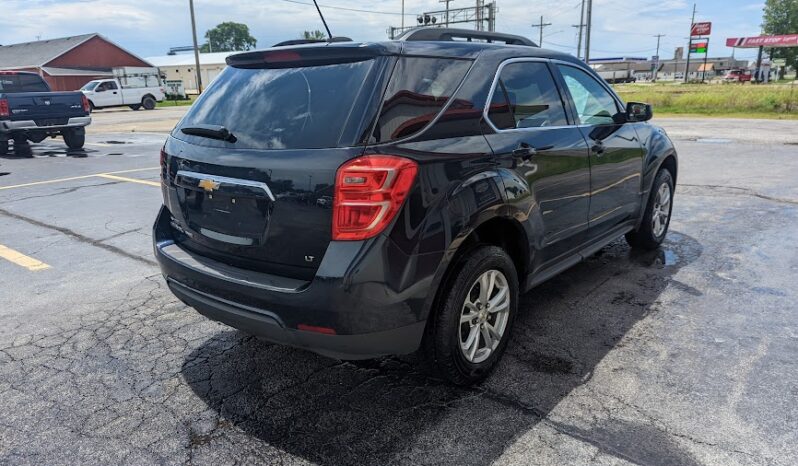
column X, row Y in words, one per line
column 30, row 125
column 350, row 310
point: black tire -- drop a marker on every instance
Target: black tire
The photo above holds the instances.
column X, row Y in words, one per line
column 92, row 108
column 74, row 139
column 3, row 147
column 135, row 107
column 646, row 236
column 148, row 103
column 445, row 330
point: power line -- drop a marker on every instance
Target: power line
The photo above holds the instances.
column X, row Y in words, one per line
column 359, row 10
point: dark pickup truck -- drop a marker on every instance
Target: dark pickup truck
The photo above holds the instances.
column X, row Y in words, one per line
column 29, row 111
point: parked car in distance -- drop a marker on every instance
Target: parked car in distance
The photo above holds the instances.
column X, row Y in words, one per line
column 462, row 174
column 740, row 76
column 132, row 87
column 618, row 76
column 30, row 111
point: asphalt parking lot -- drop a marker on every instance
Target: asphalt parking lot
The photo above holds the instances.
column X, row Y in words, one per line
column 687, row 355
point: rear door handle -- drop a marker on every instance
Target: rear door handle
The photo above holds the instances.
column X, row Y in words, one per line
column 598, row 149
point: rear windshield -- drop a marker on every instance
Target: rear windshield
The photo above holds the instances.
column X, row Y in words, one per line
column 290, row 108
column 10, row 83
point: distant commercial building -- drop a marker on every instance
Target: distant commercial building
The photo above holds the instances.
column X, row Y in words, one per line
column 67, row 63
column 669, row 69
column 183, row 68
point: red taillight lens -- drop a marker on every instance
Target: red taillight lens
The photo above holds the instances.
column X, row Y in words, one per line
column 85, row 101
column 4, row 111
column 369, row 191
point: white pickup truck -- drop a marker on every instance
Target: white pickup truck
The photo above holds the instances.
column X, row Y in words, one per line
column 132, row 87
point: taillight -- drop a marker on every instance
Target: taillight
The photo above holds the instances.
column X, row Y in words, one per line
column 369, row 191
column 4, row 110
column 85, row 101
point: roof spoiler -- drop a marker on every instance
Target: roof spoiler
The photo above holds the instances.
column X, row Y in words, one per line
column 298, row 57
column 450, row 34
column 286, row 43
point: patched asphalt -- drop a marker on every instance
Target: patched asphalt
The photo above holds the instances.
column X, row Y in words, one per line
column 686, row 355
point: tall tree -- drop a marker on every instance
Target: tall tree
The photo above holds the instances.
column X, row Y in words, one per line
column 228, row 37
column 781, row 17
column 314, row 35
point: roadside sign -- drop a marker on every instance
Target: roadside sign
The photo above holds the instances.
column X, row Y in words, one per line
column 699, row 47
column 780, row 62
column 655, row 60
column 701, row 29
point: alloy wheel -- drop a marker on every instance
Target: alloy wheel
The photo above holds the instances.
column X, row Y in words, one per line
column 484, row 316
column 661, row 210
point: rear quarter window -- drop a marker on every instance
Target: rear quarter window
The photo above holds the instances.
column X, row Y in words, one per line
column 417, row 91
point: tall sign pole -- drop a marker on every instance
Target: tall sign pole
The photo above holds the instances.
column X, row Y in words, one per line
column 581, row 27
column 689, row 45
column 656, row 61
column 196, row 49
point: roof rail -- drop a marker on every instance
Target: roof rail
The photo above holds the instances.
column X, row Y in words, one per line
column 432, row 33
column 312, row 41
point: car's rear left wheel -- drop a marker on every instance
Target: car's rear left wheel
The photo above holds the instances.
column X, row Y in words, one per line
column 467, row 335
column 148, row 103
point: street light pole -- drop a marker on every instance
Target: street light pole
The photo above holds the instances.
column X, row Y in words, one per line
column 196, row 49
column 689, row 46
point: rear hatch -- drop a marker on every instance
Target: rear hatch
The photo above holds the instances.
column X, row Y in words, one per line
column 29, row 99
column 261, row 198
column 251, row 168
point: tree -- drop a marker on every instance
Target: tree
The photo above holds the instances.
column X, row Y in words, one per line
column 228, row 37
column 314, row 35
column 781, row 17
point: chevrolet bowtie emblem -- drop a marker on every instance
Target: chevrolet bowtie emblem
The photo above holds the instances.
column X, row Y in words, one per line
column 209, row 185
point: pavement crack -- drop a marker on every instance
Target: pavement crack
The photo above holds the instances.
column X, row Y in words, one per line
column 738, row 191
column 79, row 237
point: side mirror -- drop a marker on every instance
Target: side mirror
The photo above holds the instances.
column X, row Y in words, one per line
column 636, row 112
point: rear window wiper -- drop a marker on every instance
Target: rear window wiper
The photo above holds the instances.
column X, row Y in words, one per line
column 210, row 131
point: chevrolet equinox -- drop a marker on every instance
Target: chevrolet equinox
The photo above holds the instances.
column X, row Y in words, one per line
column 368, row 199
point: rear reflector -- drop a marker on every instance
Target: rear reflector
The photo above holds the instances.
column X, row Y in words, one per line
column 4, row 110
column 369, row 191
column 315, row 329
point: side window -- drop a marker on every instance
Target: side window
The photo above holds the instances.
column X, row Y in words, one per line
column 111, row 86
column 594, row 104
column 526, row 97
column 103, row 86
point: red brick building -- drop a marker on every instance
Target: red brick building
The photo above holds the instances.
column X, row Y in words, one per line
column 69, row 62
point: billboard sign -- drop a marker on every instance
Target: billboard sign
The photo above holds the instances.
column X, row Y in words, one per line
column 699, row 47
column 701, row 29
column 790, row 40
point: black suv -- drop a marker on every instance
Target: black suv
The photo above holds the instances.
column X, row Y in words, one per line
column 366, row 199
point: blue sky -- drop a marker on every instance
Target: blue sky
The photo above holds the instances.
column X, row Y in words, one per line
column 150, row 27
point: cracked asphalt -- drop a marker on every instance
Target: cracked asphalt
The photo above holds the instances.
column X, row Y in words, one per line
column 687, row 355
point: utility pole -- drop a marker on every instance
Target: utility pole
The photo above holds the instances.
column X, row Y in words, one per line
column 541, row 26
column 589, row 17
column 196, row 49
column 447, row 10
column 656, row 67
column 581, row 27
column 689, row 46
column 403, row 15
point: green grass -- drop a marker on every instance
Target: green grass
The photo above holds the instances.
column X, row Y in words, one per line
column 734, row 100
column 177, row 103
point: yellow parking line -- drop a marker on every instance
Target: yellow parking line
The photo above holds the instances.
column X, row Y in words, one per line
column 82, row 177
column 130, row 180
column 21, row 259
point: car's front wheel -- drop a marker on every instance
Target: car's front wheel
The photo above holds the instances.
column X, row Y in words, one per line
column 467, row 335
column 657, row 216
